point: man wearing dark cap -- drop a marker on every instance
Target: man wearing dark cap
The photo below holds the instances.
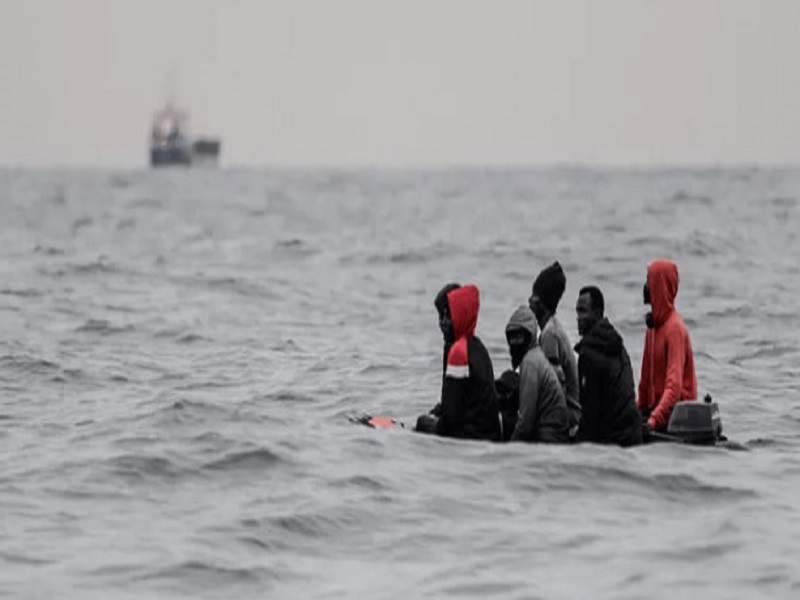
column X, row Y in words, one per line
column 548, row 288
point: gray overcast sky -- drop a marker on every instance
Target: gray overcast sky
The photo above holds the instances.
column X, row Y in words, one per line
column 406, row 82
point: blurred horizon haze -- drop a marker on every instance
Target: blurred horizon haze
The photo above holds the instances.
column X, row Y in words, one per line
column 358, row 83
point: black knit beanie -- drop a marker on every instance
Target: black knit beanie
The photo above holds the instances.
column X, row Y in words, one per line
column 550, row 285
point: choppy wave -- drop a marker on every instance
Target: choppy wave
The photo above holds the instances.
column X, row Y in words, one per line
column 256, row 460
column 101, row 266
column 81, row 223
column 206, row 576
column 103, row 327
column 21, row 293
column 48, row 250
column 685, row 197
column 26, row 364
column 294, row 248
column 136, row 468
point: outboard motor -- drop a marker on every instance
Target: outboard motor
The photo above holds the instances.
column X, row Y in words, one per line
column 696, row 422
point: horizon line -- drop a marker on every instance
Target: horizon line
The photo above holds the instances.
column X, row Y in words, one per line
column 430, row 167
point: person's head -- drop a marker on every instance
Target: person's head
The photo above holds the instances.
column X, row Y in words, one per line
column 463, row 306
column 443, row 310
column 589, row 308
column 548, row 287
column 520, row 334
column 661, row 288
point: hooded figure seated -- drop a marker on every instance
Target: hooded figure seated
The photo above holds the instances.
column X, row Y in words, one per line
column 469, row 405
column 543, row 415
column 668, row 374
column 427, row 423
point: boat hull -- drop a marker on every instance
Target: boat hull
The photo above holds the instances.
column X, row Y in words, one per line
column 170, row 156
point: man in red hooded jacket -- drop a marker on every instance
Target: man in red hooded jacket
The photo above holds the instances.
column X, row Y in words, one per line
column 469, row 403
column 668, row 375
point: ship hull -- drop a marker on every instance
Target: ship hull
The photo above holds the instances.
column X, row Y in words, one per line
column 170, row 156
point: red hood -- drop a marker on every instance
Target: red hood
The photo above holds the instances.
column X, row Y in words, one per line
column 662, row 277
column 464, row 304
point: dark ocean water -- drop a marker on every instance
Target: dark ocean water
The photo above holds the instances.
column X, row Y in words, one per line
column 180, row 351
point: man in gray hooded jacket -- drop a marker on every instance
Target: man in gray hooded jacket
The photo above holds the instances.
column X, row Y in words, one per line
column 543, row 414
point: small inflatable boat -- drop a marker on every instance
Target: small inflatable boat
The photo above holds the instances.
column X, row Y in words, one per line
column 693, row 423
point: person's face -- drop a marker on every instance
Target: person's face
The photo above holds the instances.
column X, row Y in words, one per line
column 587, row 316
column 648, row 318
column 516, row 337
column 518, row 343
column 537, row 306
column 446, row 324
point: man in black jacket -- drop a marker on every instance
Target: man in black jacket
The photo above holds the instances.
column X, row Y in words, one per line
column 607, row 393
column 469, row 401
column 427, row 423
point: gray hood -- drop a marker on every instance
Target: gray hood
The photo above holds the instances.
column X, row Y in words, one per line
column 523, row 319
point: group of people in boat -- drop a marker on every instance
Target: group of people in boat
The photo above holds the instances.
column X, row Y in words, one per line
column 554, row 393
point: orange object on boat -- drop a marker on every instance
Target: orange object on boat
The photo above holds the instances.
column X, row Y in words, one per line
column 381, row 422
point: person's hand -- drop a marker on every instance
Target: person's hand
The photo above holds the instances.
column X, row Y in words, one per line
column 647, row 431
column 426, row 423
column 509, row 381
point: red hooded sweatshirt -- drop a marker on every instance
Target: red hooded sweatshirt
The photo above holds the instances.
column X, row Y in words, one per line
column 668, row 373
column 469, row 404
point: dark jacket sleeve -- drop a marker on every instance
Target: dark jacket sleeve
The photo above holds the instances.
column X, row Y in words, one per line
column 608, row 399
column 593, row 390
column 451, row 419
column 587, row 430
column 625, row 429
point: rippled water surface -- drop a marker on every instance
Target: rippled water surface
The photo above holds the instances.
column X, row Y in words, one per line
column 180, row 351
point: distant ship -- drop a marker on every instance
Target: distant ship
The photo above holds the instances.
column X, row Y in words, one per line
column 170, row 143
